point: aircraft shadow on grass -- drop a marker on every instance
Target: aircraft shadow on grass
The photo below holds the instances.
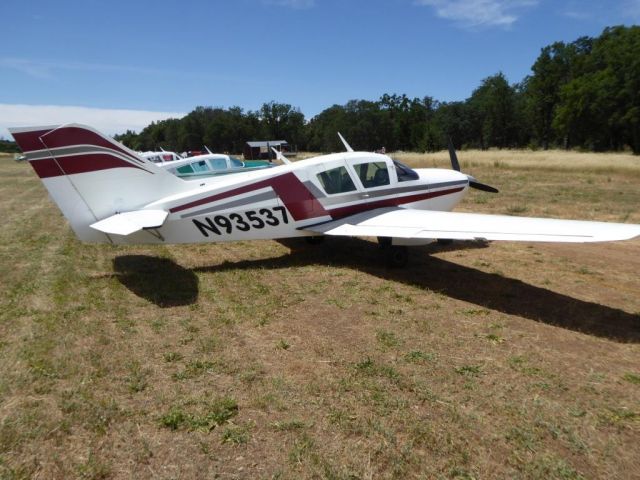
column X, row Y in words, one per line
column 165, row 283
column 158, row 280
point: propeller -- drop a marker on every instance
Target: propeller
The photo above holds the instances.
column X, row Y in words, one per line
column 473, row 183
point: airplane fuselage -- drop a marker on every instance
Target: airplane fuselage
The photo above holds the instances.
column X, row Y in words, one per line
column 280, row 202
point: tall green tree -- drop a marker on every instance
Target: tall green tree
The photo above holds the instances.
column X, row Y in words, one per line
column 493, row 112
column 551, row 71
column 600, row 107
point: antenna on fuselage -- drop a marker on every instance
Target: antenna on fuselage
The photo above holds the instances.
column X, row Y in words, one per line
column 280, row 156
column 344, row 142
column 208, row 151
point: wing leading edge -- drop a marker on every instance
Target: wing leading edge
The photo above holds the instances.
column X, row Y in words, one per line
column 408, row 223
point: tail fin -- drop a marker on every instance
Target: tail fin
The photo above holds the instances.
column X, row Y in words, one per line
column 90, row 176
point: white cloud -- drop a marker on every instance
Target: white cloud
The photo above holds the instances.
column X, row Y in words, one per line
column 37, row 70
column 578, row 15
column 109, row 121
column 479, row 13
column 47, row 69
column 296, row 4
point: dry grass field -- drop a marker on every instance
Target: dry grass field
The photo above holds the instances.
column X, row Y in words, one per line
column 282, row 360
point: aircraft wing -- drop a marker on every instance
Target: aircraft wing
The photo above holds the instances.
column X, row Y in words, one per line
column 130, row 222
column 408, row 223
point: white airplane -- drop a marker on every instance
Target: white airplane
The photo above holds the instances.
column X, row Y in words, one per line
column 211, row 164
column 160, row 157
column 110, row 194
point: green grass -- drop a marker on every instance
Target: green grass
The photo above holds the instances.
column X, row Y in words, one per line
column 283, row 360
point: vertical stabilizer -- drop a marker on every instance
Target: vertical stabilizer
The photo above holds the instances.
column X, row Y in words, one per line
column 90, row 176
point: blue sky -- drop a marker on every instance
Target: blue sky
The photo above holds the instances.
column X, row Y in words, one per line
column 79, row 60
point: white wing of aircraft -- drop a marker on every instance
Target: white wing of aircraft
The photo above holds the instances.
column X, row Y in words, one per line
column 110, row 194
column 405, row 223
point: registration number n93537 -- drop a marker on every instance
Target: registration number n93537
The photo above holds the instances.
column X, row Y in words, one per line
column 243, row 222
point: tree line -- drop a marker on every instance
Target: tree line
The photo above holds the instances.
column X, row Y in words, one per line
column 584, row 94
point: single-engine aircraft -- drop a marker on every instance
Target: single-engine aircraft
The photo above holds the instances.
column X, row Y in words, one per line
column 110, row 194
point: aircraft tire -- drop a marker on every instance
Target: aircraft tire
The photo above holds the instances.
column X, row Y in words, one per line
column 397, row 256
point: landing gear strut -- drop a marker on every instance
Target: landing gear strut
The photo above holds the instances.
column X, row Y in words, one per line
column 315, row 240
column 445, row 241
column 397, row 256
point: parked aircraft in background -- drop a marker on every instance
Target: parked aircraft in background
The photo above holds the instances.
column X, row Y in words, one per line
column 160, row 157
column 110, row 194
column 212, row 164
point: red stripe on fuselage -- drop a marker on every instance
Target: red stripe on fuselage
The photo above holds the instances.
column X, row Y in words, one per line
column 297, row 198
column 303, row 205
column 90, row 162
column 342, row 212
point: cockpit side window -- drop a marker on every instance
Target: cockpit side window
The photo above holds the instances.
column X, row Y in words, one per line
column 200, row 166
column 235, row 162
column 218, row 163
column 404, row 172
column 372, row 174
column 336, row 180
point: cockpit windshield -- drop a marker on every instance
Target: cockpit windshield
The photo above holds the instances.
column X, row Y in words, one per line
column 404, row 172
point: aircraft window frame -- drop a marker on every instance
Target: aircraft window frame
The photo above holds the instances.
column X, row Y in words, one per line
column 336, row 180
column 364, row 175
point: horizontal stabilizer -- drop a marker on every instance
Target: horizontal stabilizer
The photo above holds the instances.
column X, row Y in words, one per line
column 408, row 223
column 130, row 222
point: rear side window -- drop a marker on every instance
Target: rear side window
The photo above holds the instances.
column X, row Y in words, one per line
column 336, row 180
column 373, row 174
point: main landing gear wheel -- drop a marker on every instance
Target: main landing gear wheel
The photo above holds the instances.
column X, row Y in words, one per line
column 397, row 256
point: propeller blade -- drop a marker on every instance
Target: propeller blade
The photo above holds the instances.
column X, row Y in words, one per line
column 482, row 186
column 452, row 155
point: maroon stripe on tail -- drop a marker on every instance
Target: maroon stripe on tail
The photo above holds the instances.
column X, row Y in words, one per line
column 30, row 141
column 89, row 162
column 47, row 168
column 71, row 136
